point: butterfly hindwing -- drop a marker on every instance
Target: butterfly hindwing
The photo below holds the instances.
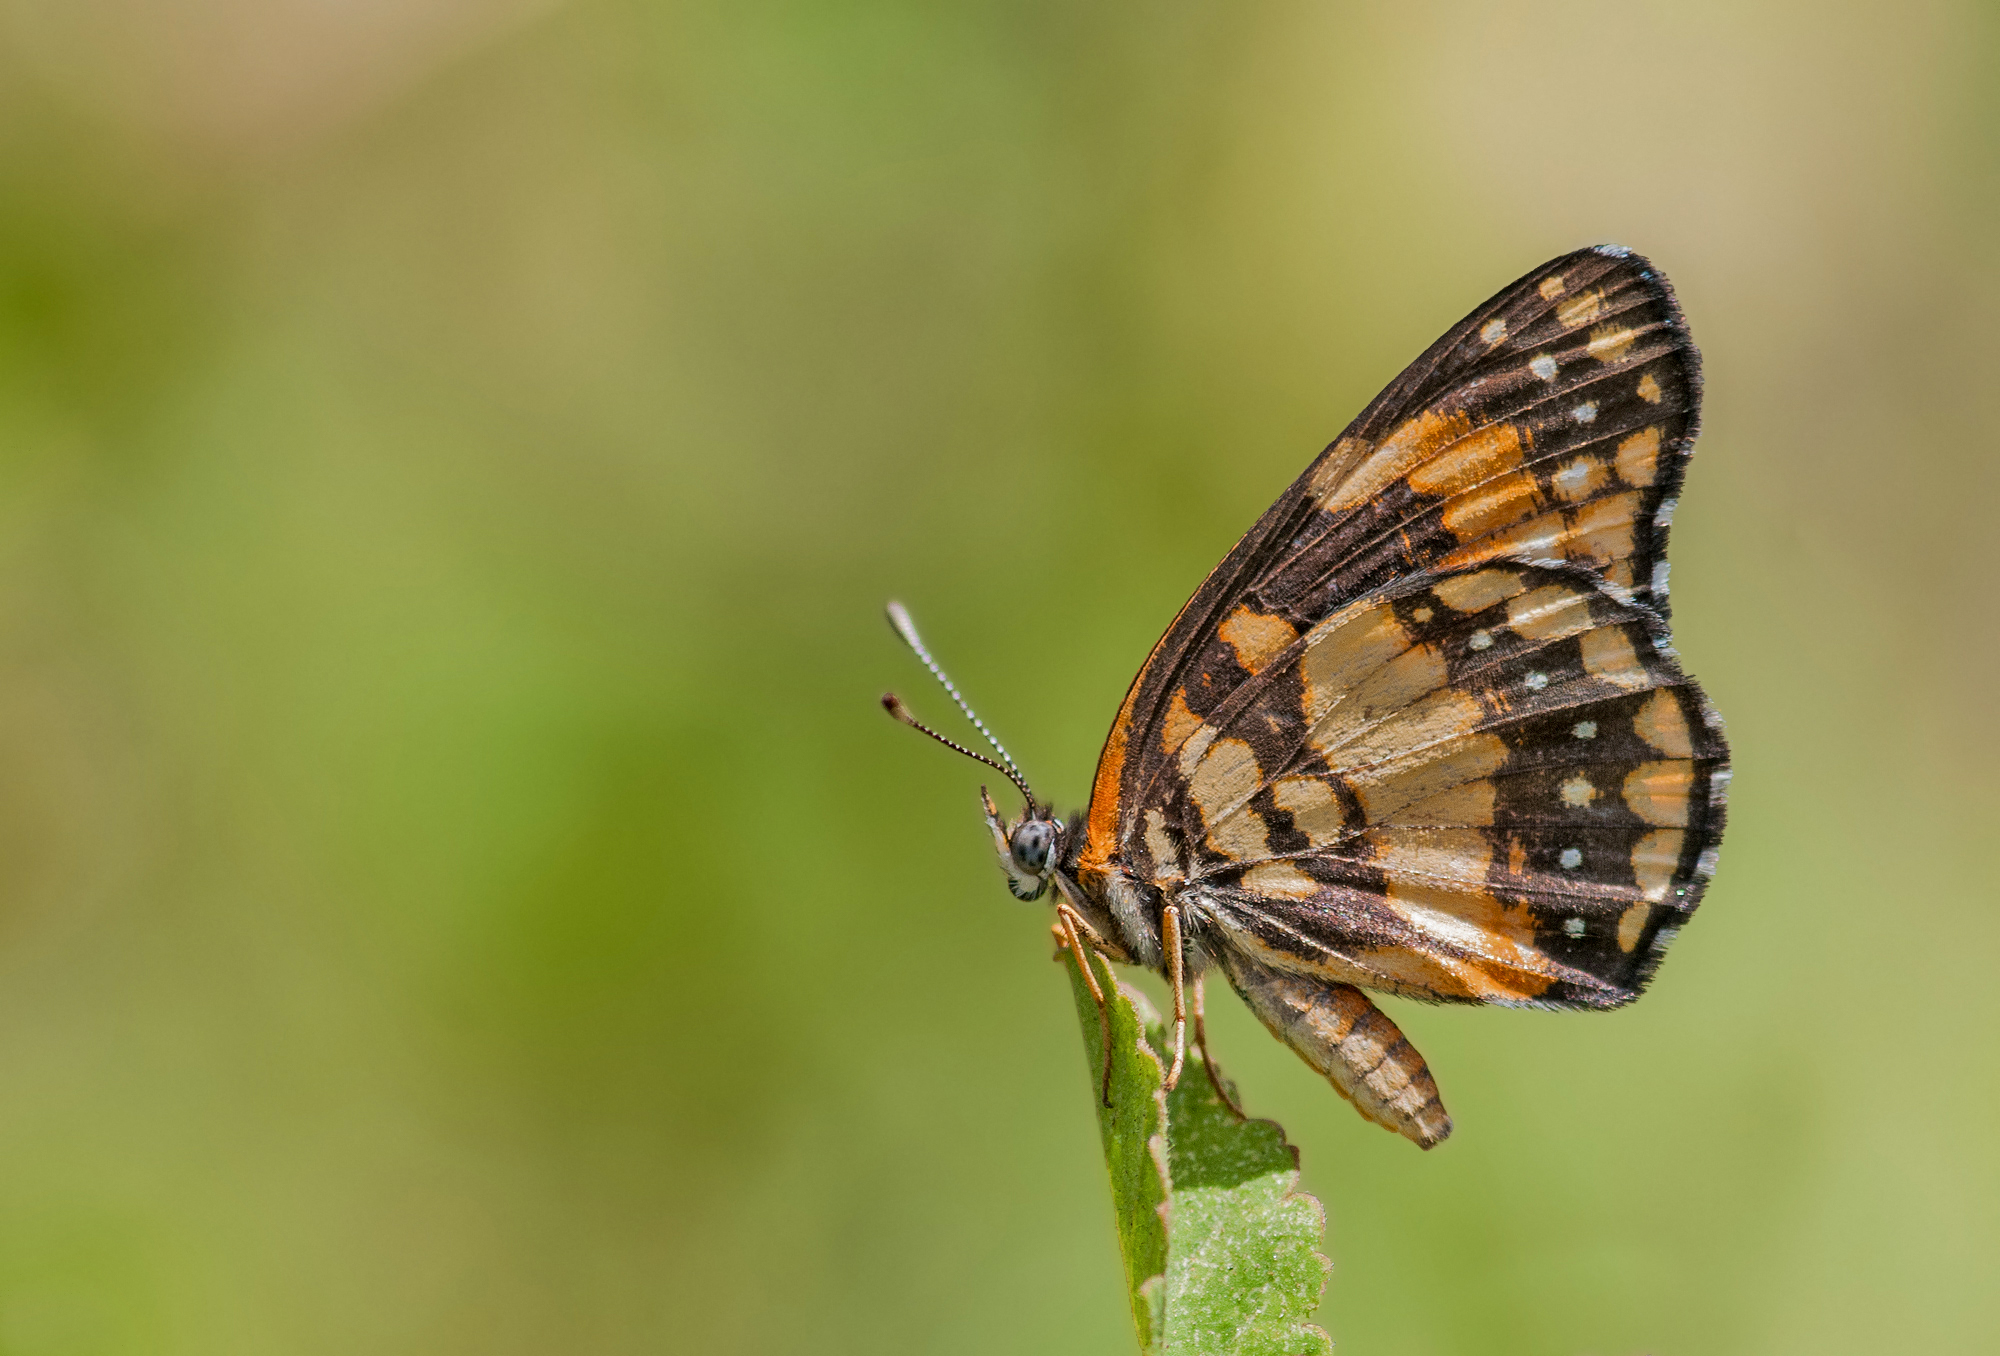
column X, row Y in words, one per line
column 1494, row 785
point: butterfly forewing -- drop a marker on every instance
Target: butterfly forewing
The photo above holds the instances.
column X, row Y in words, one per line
column 1421, row 730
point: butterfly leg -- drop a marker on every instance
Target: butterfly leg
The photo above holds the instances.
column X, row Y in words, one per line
column 1208, row 1060
column 1170, row 939
column 1071, row 935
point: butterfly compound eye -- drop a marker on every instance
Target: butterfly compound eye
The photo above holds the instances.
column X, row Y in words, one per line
column 1032, row 845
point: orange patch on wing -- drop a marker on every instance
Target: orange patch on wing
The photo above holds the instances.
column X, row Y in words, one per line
column 1257, row 637
column 1608, row 655
column 1578, row 479
column 1660, row 723
column 1100, row 840
column 1649, row 389
column 1494, row 505
column 1601, row 531
column 1658, row 792
column 1609, row 343
column 1180, row 723
column 1631, row 923
column 1620, row 573
column 1410, row 446
column 1476, row 457
column 1540, row 538
column 1639, row 457
column 1551, row 287
column 1517, row 857
column 1503, row 964
column 1580, row 309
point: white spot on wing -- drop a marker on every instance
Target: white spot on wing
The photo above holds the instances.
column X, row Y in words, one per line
column 1493, row 331
column 1663, row 517
column 1578, row 792
column 1585, row 729
column 1614, row 251
column 1543, row 366
column 1480, row 640
column 1586, row 412
column 1573, row 926
column 1536, row 681
column 1659, row 579
column 1571, row 859
column 1704, row 865
column 1664, row 938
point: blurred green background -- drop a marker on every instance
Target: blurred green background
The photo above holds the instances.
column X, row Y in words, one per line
column 457, row 891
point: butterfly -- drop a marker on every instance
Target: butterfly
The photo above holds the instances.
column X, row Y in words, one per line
column 1423, row 730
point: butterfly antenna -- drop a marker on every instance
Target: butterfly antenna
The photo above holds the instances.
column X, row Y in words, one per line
column 899, row 618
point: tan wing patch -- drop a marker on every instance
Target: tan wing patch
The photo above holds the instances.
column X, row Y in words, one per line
column 1660, row 723
column 1462, row 855
column 1343, row 649
column 1550, row 612
column 1479, row 591
column 1281, row 879
column 1314, row 809
column 1226, row 776
column 1608, row 656
column 1655, row 858
column 1403, row 693
column 1639, row 457
column 1610, row 343
column 1386, row 788
column 1470, row 804
column 1601, row 531
column 1257, row 637
column 1580, row 309
column 1160, row 845
column 1658, row 792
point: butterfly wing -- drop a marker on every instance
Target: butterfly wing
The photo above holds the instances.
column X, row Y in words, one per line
column 1552, row 425
column 1493, row 785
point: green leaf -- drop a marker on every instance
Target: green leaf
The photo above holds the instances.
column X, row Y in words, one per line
column 1221, row 1248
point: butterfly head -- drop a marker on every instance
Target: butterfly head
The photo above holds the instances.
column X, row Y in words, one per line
column 1029, row 847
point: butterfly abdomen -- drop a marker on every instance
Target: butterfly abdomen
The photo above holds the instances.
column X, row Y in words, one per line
column 1336, row 1030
